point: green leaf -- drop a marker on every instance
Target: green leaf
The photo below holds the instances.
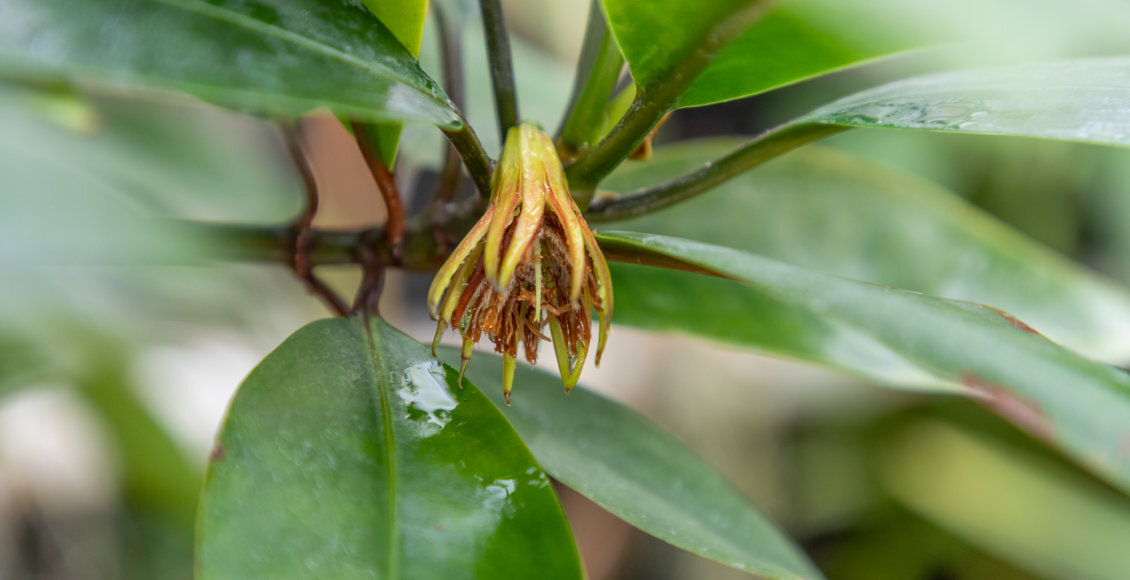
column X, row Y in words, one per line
column 1084, row 100
column 837, row 214
column 60, row 186
column 682, row 25
column 271, row 56
column 155, row 472
column 668, row 301
column 405, row 19
column 1071, row 402
column 984, row 491
column 799, row 39
column 349, row 455
column 623, row 462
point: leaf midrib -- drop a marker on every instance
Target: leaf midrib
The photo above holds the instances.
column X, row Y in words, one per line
column 378, row 364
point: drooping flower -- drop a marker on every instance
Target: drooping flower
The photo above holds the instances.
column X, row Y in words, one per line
column 530, row 262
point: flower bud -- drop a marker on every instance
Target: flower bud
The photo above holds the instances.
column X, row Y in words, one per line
column 530, row 262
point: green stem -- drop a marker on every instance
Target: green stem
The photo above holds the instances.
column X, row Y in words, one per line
column 597, row 72
column 451, row 55
column 654, row 101
column 760, row 149
column 501, row 69
column 475, row 158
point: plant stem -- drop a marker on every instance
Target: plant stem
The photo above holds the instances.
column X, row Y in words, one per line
column 760, row 149
column 475, row 159
column 597, row 72
column 451, row 54
column 301, row 233
column 501, row 68
column 386, row 185
column 276, row 243
column 654, row 101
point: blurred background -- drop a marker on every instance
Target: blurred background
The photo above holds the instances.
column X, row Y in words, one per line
column 122, row 338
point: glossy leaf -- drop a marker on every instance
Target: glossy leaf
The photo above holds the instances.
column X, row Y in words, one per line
column 346, row 456
column 841, row 215
column 1084, row 100
column 1074, row 403
column 270, row 56
column 623, row 462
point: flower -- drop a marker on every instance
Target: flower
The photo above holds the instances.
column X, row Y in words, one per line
column 530, row 262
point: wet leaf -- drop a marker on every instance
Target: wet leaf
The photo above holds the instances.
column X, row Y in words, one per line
column 838, row 214
column 344, row 456
column 266, row 56
column 1074, row 403
column 625, row 463
column 1084, row 100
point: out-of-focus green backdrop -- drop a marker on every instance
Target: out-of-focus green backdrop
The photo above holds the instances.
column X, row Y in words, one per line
column 122, row 338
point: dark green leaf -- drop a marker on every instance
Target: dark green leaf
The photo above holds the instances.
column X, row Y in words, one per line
column 840, row 215
column 1076, row 404
column 623, row 462
column 267, row 56
column 348, row 456
column 1085, row 100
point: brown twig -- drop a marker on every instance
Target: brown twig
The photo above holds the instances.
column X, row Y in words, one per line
column 367, row 301
column 303, row 237
column 386, row 184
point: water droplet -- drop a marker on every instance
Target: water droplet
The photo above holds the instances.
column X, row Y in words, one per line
column 428, row 401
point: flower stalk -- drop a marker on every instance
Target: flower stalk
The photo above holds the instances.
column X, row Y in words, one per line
column 529, row 263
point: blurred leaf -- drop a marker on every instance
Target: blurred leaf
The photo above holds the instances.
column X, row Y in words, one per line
column 270, row 56
column 405, row 19
column 1076, row 404
column 668, row 301
column 156, row 475
column 83, row 241
column 1084, row 100
column 1032, row 512
column 841, row 215
column 196, row 162
column 624, row 463
column 48, row 202
column 345, row 455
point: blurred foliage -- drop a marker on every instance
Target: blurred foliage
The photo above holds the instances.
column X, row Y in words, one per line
column 96, row 275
